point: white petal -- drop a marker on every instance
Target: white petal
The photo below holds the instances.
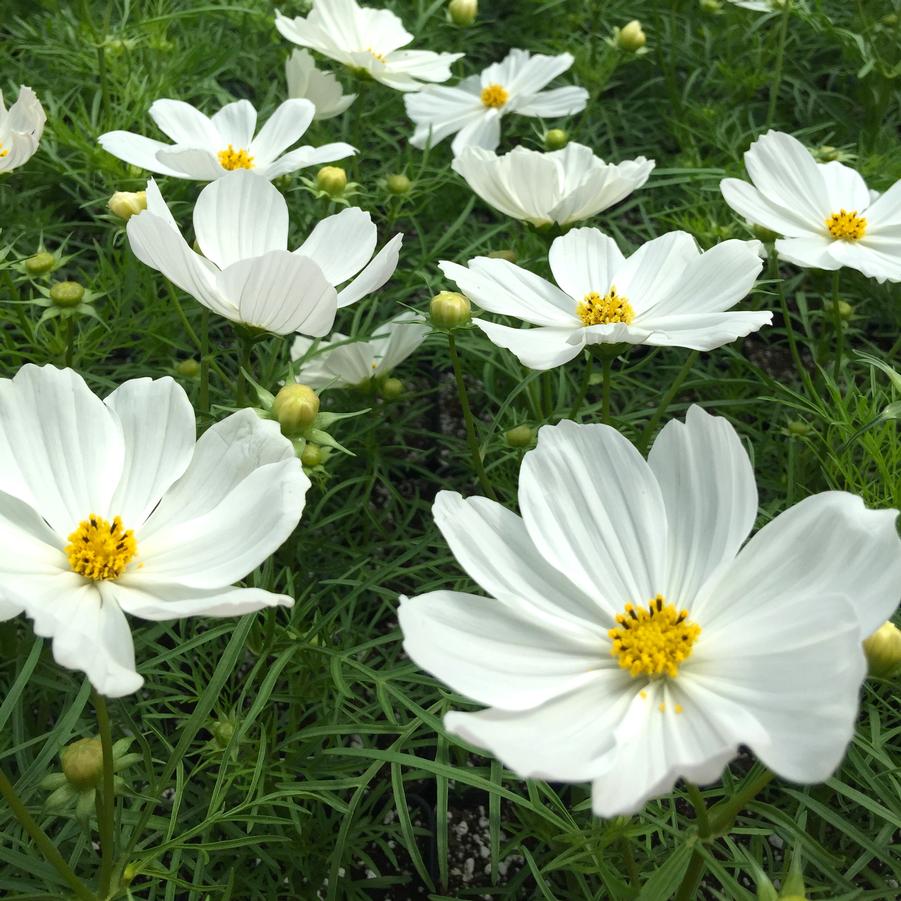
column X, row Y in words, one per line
column 595, row 512
column 236, row 123
column 307, row 156
column 240, row 216
column 137, row 150
column 529, row 73
column 481, row 131
column 381, row 267
column 885, row 211
column 584, row 260
column 195, row 163
column 653, row 271
column 710, row 496
column 494, row 654
column 491, row 543
column 405, row 70
column 703, row 331
column 845, row 188
column 440, row 111
column 341, row 245
column 540, row 348
column 813, row 252
column 602, row 187
column 394, row 341
column 157, row 423
column 284, row 127
column 185, row 124
column 877, row 257
column 551, row 104
column 28, row 546
column 164, row 602
column 747, row 201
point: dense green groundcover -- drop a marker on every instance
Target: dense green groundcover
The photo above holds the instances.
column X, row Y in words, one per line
column 299, row 754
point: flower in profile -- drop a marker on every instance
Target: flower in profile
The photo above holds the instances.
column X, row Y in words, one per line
column 632, row 637
column 113, row 506
column 322, row 89
column 667, row 293
column 761, row 6
column 473, row 109
column 208, row 147
column 21, row 127
column 826, row 213
column 342, row 362
column 245, row 271
column 560, row 187
column 368, row 41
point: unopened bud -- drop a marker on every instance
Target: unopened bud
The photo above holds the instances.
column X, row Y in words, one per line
column 463, row 12
column 66, row 294
column 521, row 436
column 125, row 204
column 506, row 254
column 398, row 184
column 188, row 369
column 222, row 730
column 631, row 37
column 295, row 407
column 883, row 650
column 762, row 233
column 312, row 455
column 449, row 310
column 332, row 180
column 845, row 310
column 799, row 427
column 556, row 139
column 391, row 389
column 82, row 763
column 710, row 6
column 40, row 263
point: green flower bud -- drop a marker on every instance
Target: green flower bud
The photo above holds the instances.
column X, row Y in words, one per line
column 799, row 427
column 295, row 407
column 520, row 436
column 222, row 730
column 883, row 650
column 67, row 294
column 398, row 184
column 391, row 389
column 332, row 180
column 125, row 204
column 312, row 455
column 189, row 369
column 710, row 6
column 845, row 310
column 506, row 254
column 631, row 37
column 41, row 263
column 556, row 139
column 463, row 12
column 449, row 310
column 764, row 234
column 83, row 763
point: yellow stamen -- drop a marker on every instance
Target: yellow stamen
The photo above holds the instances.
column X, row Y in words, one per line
column 235, row 159
column 376, row 55
column 846, row 226
column 494, row 96
column 612, row 307
column 99, row 550
column 653, row 641
column 3, row 152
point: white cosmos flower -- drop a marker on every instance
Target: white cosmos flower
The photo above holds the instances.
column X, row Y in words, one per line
column 366, row 40
column 322, row 89
column 666, row 293
column 341, row 361
column 112, row 506
column 761, row 6
column 756, row 645
column 825, row 211
column 207, row 147
column 246, row 273
column 21, row 127
column 561, row 187
column 473, row 109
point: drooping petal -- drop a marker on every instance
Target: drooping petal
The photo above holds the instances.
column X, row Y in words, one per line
column 594, row 510
column 541, row 347
column 397, row 339
column 158, row 428
column 342, row 244
column 185, row 124
column 584, row 260
column 307, row 156
column 380, row 268
column 138, row 150
column 284, row 127
column 495, row 654
column 710, row 496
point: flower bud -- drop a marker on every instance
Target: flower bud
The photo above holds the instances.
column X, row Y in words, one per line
column 188, row 369
column 392, row 389
column 66, row 294
column 556, row 139
column 41, row 263
column 799, row 428
column 398, row 184
column 710, row 6
column 82, row 763
column 506, row 254
column 631, row 37
column 449, row 310
column 521, row 436
column 845, row 310
column 312, row 455
column 762, row 233
column 125, row 204
column 295, row 407
column 463, row 12
column 222, row 731
column 883, row 650
column 332, row 180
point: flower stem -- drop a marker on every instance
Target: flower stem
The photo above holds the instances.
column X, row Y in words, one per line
column 246, row 354
column 776, row 83
column 839, row 327
column 106, row 806
column 648, row 431
column 583, row 387
column 787, row 321
column 41, row 840
column 204, row 396
column 607, row 371
column 70, row 340
column 473, row 442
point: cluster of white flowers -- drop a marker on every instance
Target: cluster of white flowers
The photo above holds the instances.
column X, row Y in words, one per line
column 633, row 634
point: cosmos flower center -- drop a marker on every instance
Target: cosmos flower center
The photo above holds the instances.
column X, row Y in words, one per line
column 612, row 307
column 653, row 641
column 846, row 226
column 376, row 55
column 494, row 96
column 98, row 549
column 235, row 159
column 3, row 151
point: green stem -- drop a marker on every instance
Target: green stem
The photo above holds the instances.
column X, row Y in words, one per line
column 583, row 387
column 106, row 804
column 787, row 321
column 41, row 840
column 700, row 806
column 839, row 327
column 629, row 858
column 691, row 878
column 666, row 400
column 477, row 464
column 607, row 371
column 776, row 83
column 243, row 366
column 70, row 340
column 204, row 395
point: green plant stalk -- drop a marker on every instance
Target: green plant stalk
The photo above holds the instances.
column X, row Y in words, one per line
column 839, row 328
column 246, row 353
column 203, row 400
column 106, row 804
column 42, row 841
column 648, row 431
column 583, row 387
column 70, row 340
column 471, row 439
column 607, row 370
column 776, row 83
column 789, row 328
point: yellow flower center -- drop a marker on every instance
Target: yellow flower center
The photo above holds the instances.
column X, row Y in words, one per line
column 494, row 96
column 235, row 159
column 98, row 549
column 612, row 307
column 846, row 226
column 376, row 55
column 653, row 641
column 3, row 152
